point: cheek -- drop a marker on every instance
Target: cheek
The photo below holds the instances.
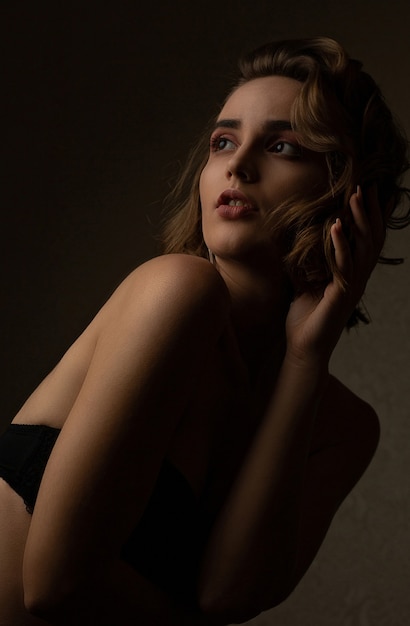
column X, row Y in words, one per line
column 202, row 184
column 205, row 186
column 311, row 178
column 204, row 194
column 318, row 172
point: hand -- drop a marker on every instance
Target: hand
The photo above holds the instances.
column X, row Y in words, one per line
column 315, row 322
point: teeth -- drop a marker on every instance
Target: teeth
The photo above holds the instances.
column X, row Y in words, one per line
column 236, row 203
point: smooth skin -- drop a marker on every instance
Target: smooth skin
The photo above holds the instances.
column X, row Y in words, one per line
column 246, row 398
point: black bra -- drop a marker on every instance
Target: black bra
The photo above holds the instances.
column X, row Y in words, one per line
column 166, row 544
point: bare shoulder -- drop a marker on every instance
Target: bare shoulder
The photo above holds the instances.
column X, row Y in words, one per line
column 343, row 445
column 163, row 302
column 179, row 282
column 180, row 270
column 349, row 420
column 356, row 410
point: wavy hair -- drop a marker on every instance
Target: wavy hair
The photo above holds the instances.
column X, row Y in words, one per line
column 341, row 112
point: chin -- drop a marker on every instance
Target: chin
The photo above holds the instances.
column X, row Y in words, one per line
column 261, row 252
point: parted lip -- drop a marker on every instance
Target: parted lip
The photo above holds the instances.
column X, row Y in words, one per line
column 234, row 194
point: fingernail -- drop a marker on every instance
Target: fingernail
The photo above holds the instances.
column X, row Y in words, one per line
column 359, row 191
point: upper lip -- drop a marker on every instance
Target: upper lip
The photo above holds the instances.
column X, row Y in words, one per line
column 234, row 194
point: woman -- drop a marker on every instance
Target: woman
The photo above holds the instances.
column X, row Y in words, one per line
column 195, row 446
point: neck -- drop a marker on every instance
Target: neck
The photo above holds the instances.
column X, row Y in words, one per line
column 260, row 301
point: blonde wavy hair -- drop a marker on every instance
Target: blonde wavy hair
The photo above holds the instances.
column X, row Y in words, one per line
column 341, row 112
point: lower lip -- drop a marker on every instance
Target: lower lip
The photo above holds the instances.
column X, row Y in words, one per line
column 234, row 212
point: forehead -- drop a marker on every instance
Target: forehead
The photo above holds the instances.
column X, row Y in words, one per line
column 270, row 97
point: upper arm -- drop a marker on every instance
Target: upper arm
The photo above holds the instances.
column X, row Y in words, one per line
column 153, row 338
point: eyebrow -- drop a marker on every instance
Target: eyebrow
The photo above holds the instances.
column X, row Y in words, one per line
column 270, row 125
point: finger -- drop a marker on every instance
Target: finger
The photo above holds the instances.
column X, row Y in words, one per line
column 341, row 246
column 360, row 218
column 368, row 220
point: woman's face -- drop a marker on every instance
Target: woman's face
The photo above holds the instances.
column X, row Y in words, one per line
column 255, row 162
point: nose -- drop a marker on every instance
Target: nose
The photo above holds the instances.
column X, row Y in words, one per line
column 243, row 165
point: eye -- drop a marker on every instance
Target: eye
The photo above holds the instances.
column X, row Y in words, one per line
column 286, row 148
column 219, row 143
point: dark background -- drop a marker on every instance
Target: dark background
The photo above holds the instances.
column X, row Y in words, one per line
column 102, row 104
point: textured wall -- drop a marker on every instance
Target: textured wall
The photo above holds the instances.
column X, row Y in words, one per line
column 101, row 106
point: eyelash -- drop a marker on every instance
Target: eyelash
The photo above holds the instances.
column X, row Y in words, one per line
column 295, row 147
column 217, row 139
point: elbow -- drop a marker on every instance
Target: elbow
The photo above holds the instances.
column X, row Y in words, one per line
column 55, row 586
column 40, row 609
column 49, row 597
column 43, row 607
column 47, row 604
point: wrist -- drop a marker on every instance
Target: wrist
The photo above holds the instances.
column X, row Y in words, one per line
column 307, row 373
column 312, row 362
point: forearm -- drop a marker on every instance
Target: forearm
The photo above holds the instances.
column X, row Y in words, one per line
column 254, row 540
